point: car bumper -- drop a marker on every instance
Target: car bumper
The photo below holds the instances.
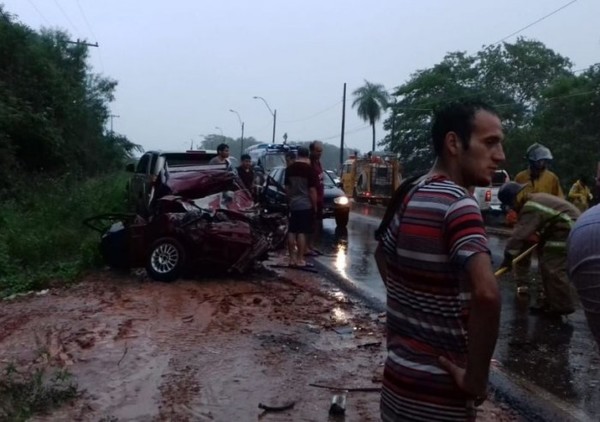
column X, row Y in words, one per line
column 330, row 211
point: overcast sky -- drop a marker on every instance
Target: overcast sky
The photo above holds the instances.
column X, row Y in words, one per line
column 182, row 65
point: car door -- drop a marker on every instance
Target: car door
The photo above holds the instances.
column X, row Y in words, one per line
column 138, row 186
column 275, row 196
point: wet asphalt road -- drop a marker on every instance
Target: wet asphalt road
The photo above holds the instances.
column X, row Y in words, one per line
column 556, row 355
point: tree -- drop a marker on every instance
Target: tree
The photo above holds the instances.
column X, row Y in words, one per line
column 53, row 110
column 510, row 76
column 371, row 100
column 567, row 123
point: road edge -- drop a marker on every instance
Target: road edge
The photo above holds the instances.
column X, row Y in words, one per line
column 530, row 401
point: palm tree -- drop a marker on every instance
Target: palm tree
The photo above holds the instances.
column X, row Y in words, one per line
column 371, row 100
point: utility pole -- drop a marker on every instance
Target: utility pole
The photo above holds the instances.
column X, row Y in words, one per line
column 343, row 127
column 82, row 43
column 274, row 121
column 112, row 116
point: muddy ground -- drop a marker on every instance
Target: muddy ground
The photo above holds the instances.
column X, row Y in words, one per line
column 204, row 350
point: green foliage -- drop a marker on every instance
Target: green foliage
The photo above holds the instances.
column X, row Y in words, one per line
column 569, row 124
column 370, row 99
column 24, row 394
column 514, row 77
column 53, row 111
column 42, row 238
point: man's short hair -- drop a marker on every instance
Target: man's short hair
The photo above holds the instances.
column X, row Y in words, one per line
column 302, row 152
column 456, row 117
column 313, row 145
column 222, row 147
column 245, row 157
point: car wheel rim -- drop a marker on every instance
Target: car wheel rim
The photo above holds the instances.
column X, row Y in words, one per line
column 165, row 258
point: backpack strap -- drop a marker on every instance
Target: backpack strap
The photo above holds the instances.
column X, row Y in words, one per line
column 395, row 203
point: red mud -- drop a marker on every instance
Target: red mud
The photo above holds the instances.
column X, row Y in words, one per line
column 204, row 350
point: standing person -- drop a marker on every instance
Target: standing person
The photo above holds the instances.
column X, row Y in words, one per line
column 301, row 188
column 316, row 151
column 246, row 172
column 583, row 265
column 580, row 194
column 222, row 155
column 290, row 158
column 536, row 179
column 443, row 302
column 548, row 218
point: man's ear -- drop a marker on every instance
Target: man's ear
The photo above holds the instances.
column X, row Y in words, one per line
column 452, row 143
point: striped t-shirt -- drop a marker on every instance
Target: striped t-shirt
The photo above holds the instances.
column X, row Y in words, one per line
column 427, row 244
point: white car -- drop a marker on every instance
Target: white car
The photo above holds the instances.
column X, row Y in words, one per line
column 487, row 197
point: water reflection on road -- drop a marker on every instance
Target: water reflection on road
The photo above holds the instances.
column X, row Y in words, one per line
column 557, row 355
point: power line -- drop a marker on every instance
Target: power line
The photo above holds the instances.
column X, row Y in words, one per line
column 66, row 17
column 38, row 11
column 358, row 129
column 85, row 20
column 313, row 115
column 535, row 22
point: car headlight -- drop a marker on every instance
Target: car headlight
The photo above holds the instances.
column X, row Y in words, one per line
column 341, row 200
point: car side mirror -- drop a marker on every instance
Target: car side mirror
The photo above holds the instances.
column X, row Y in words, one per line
column 339, row 185
column 130, row 168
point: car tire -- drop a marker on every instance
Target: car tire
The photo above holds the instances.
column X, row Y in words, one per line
column 341, row 218
column 166, row 259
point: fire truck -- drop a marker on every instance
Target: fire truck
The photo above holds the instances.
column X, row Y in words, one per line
column 371, row 178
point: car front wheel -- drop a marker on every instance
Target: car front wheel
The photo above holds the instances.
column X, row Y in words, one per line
column 166, row 259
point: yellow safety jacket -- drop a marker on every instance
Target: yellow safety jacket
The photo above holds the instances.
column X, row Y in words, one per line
column 548, row 216
column 547, row 182
column 580, row 196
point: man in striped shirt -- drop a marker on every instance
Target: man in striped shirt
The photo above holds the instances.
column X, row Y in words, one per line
column 443, row 302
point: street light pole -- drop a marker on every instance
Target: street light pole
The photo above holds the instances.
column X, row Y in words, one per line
column 273, row 113
column 242, row 124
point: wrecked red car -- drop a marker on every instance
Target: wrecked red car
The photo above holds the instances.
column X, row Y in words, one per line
column 201, row 219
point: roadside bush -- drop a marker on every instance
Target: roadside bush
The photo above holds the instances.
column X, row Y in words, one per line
column 35, row 391
column 42, row 238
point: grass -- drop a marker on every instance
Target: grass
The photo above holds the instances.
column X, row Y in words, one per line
column 42, row 239
column 35, row 391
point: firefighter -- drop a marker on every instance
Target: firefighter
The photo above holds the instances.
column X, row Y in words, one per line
column 535, row 179
column 580, row 194
column 544, row 219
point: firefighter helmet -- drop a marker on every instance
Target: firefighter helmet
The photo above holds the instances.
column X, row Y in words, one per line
column 507, row 194
column 537, row 152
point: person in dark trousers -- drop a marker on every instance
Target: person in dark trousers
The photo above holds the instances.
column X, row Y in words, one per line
column 443, row 301
column 246, row 172
column 316, row 151
column 301, row 188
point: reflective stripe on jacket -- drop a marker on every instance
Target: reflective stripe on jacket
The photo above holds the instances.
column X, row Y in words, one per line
column 549, row 216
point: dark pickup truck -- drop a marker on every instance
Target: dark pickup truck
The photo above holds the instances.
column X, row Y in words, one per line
column 155, row 164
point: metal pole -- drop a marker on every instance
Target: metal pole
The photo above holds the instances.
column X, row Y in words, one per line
column 273, row 113
column 242, row 124
column 343, row 127
column 242, row 146
column 274, row 122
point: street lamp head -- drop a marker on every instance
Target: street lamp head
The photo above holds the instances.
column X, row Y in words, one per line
column 255, row 97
